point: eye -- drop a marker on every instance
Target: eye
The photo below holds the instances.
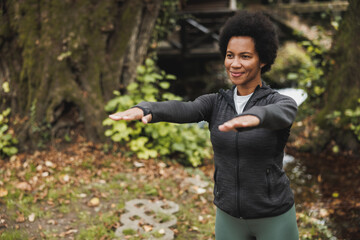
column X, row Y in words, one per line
column 229, row 55
column 246, row 56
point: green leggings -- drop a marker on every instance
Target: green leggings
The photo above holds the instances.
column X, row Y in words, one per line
column 282, row 227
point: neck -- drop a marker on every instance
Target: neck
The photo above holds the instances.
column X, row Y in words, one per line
column 246, row 90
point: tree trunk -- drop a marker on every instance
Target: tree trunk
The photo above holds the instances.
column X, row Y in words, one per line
column 343, row 87
column 64, row 59
column 141, row 36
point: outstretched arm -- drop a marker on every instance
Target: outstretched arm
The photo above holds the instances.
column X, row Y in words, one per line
column 131, row 114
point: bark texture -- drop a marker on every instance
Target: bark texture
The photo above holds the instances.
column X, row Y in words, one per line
column 343, row 88
column 63, row 59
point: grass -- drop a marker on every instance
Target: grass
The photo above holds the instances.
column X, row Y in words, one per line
column 14, row 235
column 163, row 217
column 94, row 232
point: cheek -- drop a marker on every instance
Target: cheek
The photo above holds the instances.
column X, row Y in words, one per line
column 227, row 64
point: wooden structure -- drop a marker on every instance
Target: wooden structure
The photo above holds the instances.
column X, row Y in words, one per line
column 200, row 25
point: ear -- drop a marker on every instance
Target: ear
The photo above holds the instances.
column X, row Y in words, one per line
column 262, row 65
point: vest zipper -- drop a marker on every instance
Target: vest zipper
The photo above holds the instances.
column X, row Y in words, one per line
column 238, row 203
column 237, row 175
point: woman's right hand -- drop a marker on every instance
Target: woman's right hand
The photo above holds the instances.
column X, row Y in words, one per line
column 131, row 114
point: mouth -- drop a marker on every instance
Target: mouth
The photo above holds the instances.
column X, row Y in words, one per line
column 236, row 74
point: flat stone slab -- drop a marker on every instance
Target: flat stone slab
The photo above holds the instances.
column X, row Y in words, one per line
column 195, row 184
column 150, row 218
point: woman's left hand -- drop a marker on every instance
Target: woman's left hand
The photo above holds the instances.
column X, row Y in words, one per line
column 240, row 122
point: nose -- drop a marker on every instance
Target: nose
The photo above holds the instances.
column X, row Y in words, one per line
column 236, row 63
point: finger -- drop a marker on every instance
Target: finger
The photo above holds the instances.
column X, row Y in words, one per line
column 116, row 116
column 146, row 118
column 125, row 116
column 226, row 127
column 235, row 123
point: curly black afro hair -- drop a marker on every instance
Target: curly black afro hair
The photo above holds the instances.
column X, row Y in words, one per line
column 255, row 25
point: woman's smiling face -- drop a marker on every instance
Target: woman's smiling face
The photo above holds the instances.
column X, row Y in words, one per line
column 242, row 64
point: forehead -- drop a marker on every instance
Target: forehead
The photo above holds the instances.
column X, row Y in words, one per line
column 241, row 44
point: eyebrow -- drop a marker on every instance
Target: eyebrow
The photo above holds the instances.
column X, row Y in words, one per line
column 228, row 51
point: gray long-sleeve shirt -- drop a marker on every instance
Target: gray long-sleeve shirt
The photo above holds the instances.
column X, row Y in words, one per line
column 249, row 179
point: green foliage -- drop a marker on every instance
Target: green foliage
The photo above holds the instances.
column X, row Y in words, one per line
column 311, row 76
column 167, row 19
column 303, row 66
column 285, row 71
column 354, row 119
column 188, row 142
column 7, row 140
column 348, row 119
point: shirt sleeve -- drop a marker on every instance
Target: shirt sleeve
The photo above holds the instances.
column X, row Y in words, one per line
column 180, row 112
column 279, row 114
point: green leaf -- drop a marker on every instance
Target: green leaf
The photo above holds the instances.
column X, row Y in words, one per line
column 111, row 106
column 108, row 122
column 108, row 133
column 116, row 93
column 4, row 128
column 292, row 76
column 157, row 76
column 149, row 78
column 6, row 112
column 149, row 62
column 148, row 153
column 116, row 137
column 64, row 55
column 170, row 77
column 179, row 147
column 6, row 87
column 318, row 90
column 170, row 96
column 141, row 70
column 132, row 86
column 164, row 85
column 10, row 151
column 7, row 137
column 138, row 143
column 335, row 24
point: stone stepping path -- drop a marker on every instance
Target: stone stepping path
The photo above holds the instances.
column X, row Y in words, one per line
column 149, row 218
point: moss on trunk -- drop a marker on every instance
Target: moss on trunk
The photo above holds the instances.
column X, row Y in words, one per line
column 343, row 88
column 60, row 52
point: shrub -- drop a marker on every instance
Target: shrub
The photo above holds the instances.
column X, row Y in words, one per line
column 7, row 140
column 187, row 142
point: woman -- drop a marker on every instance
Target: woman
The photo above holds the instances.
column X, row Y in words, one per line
column 249, row 126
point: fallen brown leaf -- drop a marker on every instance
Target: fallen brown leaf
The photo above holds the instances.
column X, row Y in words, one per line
column 23, row 186
column 147, row 228
column 94, row 202
column 52, row 222
column 3, row 192
column 20, row 218
column 69, row 232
